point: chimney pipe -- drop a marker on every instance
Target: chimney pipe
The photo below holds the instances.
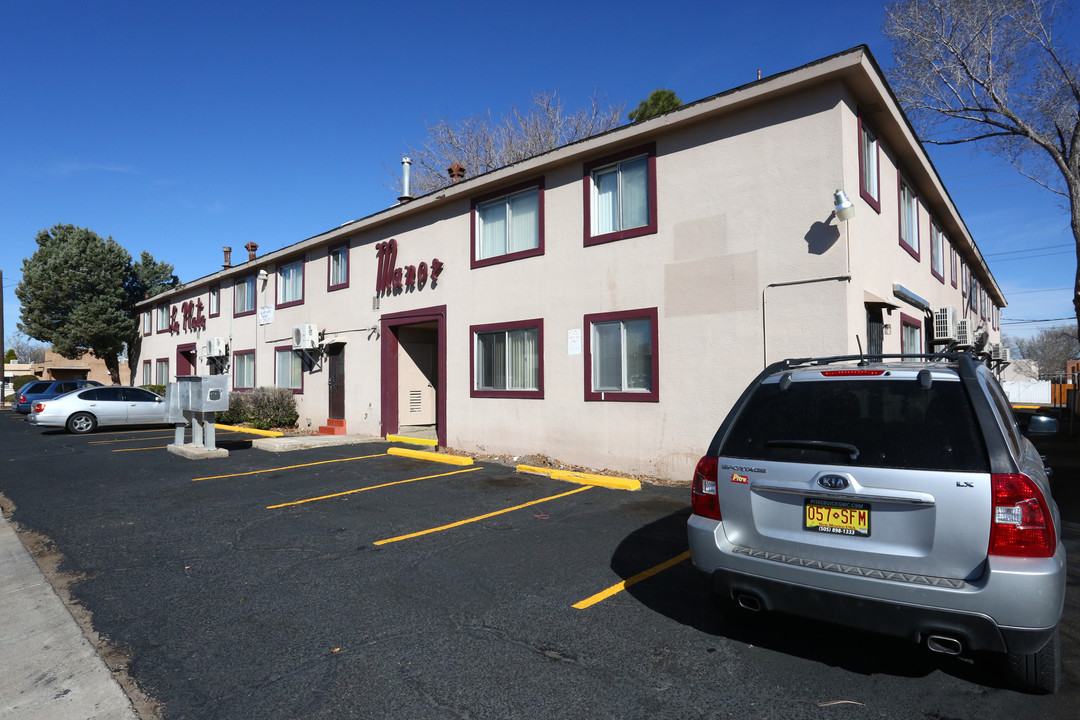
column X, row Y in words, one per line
column 457, row 173
column 228, row 257
column 251, row 247
column 405, row 169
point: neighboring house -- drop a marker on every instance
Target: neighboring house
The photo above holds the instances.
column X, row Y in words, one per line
column 12, row 371
column 58, row 367
column 606, row 302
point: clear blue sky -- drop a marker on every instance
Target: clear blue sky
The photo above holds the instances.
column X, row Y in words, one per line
column 179, row 127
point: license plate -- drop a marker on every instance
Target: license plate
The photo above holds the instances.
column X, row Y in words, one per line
column 837, row 517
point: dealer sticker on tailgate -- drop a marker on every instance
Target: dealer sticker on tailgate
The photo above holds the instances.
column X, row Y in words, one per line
column 837, row 516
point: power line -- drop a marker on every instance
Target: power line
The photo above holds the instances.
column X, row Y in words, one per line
column 1015, row 252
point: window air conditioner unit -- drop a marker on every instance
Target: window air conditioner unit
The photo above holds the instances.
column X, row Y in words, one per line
column 963, row 333
column 944, row 323
column 1006, row 354
column 305, row 337
column 214, row 347
column 995, row 352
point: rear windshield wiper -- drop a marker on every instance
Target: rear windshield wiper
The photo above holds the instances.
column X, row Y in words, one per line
column 851, row 450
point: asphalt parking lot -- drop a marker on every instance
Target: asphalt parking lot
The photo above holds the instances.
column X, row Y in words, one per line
column 346, row 582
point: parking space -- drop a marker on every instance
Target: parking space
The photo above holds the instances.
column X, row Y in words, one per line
column 350, row 582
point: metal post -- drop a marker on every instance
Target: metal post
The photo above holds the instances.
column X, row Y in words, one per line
column 196, row 429
column 210, row 432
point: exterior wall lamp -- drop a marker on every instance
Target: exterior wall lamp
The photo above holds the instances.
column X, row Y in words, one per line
column 844, row 208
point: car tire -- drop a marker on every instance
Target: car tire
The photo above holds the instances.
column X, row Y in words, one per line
column 81, row 423
column 1038, row 672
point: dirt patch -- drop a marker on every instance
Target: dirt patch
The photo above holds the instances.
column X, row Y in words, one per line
column 116, row 658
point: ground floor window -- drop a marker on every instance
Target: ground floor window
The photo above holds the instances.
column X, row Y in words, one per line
column 910, row 335
column 244, row 370
column 147, row 377
column 621, row 356
column 507, row 360
column 161, row 371
column 288, row 369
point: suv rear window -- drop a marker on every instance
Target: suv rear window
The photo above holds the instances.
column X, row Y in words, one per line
column 38, row 387
column 884, row 423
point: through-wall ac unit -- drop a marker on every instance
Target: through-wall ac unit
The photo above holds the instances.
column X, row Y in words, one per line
column 1006, row 354
column 214, row 347
column 995, row 352
column 963, row 333
column 305, row 337
column 944, row 323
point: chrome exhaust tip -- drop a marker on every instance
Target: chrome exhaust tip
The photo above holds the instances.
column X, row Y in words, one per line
column 749, row 602
column 944, row 644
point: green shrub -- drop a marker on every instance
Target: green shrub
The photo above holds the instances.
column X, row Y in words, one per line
column 264, row 408
column 18, row 382
column 159, row 389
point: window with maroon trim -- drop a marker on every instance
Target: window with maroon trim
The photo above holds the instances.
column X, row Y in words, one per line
column 952, row 263
column 337, row 267
column 214, row 301
column 869, row 166
column 147, row 322
column 147, row 373
column 910, row 335
column 508, row 225
column 162, row 318
column 161, row 371
column 244, row 296
column 620, row 196
column 243, row 370
column 507, row 360
column 622, row 356
column 973, row 292
column 290, row 283
column 937, row 252
column 288, row 369
column 909, row 219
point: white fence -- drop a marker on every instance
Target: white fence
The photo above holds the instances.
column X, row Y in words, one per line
column 1033, row 392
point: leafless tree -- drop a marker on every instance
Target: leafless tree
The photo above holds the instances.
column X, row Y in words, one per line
column 485, row 142
column 1050, row 347
column 994, row 72
column 26, row 350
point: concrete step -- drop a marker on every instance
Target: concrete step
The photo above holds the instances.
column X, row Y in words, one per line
column 333, row 426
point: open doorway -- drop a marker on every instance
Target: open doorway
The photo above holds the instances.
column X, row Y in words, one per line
column 186, row 359
column 414, row 373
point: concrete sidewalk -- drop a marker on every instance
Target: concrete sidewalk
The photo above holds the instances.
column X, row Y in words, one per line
column 48, row 669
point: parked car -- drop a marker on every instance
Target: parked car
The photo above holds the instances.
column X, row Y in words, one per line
column 895, row 495
column 46, row 389
column 83, row 411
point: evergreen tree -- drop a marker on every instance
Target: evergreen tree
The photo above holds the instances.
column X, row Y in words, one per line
column 658, row 103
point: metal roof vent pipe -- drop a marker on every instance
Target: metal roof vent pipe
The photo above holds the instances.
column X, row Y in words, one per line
column 251, row 247
column 228, row 257
column 405, row 169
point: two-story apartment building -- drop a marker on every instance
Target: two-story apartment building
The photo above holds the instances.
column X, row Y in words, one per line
column 606, row 302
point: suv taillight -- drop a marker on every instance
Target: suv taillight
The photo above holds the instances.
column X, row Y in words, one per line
column 22, row 398
column 704, row 500
column 1021, row 525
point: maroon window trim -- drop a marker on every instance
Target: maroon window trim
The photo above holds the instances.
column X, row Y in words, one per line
column 255, row 285
column 649, row 229
column 906, row 319
column 933, row 244
column 901, row 182
column 157, row 318
column 303, row 368
column 477, row 262
column 537, row 394
column 254, row 383
column 168, row 369
column 148, row 373
column 864, row 192
column 651, row 396
column 209, row 293
column 952, row 263
column 145, row 325
column 330, row 286
column 303, row 282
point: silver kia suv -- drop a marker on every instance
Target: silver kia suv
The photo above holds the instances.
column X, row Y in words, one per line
column 893, row 494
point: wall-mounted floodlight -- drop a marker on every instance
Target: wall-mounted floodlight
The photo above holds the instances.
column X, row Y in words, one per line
column 843, row 207
column 262, row 275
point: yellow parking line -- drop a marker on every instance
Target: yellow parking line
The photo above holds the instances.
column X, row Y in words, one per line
column 159, row 447
column 287, row 467
column 481, row 517
column 618, row 588
column 139, row 439
column 373, row 487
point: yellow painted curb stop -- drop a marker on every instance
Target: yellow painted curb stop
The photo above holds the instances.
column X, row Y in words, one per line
column 411, row 440
column 434, row 457
column 615, row 483
column 253, row 431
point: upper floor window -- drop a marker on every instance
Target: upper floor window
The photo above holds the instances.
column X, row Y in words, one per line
column 215, row 300
column 952, row 263
column 869, row 168
column 973, row 292
column 338, row 268
column 290, row 283
column 509, row 226
column 621, row 355
column 244, row 296
column 162, row 318
column 937, row 252
column 147, row 323
column 909, row 219
column 507, row 360
column 620, row 196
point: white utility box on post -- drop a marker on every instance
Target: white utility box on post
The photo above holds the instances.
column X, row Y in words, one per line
column 195, row 399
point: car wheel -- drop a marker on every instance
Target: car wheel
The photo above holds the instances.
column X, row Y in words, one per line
column 1037, row 672
column 81, row 423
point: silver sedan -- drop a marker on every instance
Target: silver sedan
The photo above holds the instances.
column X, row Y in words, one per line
column 84, row 410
